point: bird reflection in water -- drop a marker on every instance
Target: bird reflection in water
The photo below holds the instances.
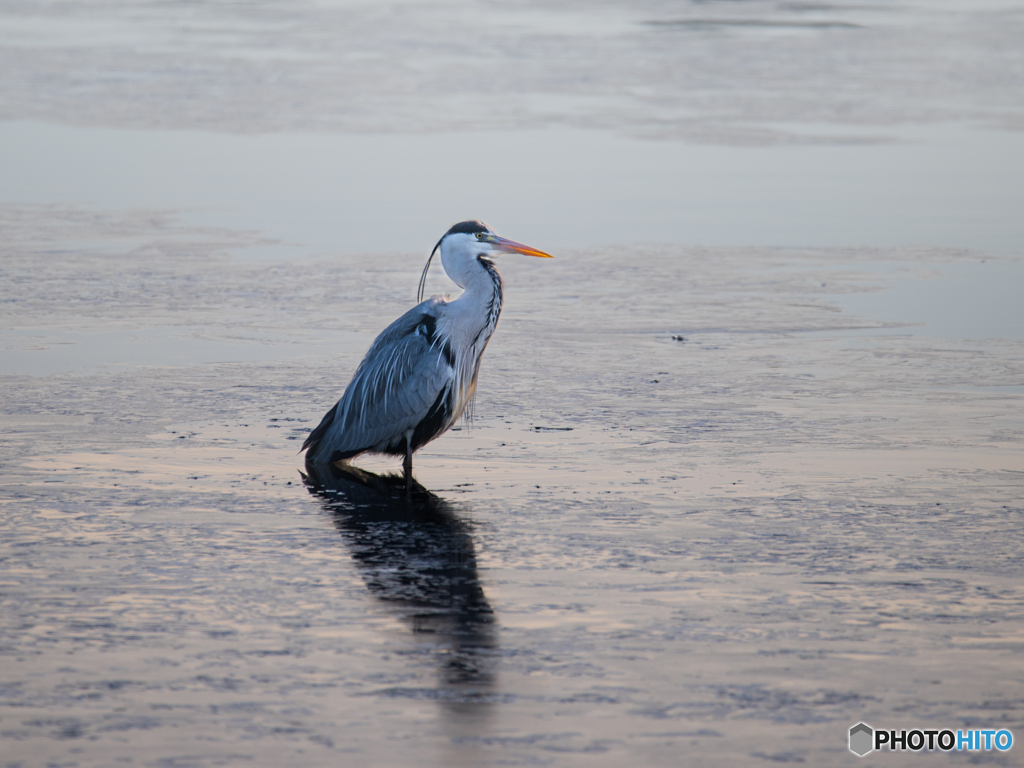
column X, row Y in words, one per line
column 415, row 553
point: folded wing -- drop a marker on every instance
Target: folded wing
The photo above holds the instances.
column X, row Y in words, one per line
column 402, row 385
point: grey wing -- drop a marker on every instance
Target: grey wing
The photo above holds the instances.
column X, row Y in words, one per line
column 399, row 380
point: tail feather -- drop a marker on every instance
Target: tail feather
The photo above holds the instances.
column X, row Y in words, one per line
column 317, row 434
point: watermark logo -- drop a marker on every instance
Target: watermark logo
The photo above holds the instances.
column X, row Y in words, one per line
column 861, row 739
column 864, row 739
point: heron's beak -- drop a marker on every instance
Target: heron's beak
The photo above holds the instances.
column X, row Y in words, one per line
column 513, row 247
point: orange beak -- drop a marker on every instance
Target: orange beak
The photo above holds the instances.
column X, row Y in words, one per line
column 513, row 247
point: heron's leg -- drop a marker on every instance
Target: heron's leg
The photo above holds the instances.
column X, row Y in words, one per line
column 407, row 464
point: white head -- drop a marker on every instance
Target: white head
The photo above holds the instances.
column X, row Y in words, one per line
column 467, row 242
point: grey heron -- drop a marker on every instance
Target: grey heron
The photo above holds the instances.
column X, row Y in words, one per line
column 420, row 374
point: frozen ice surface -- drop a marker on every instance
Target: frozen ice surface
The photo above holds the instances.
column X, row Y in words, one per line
column 730, row 545
column 720, row 72
column 747, row 461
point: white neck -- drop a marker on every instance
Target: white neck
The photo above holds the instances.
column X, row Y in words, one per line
column 478, row 307
column 481, row 297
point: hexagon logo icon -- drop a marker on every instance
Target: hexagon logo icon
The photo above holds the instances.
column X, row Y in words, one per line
column 862, row 738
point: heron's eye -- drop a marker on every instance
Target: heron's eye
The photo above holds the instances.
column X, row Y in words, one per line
column 479, row 235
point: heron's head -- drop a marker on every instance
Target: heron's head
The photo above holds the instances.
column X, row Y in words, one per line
column 468, row 241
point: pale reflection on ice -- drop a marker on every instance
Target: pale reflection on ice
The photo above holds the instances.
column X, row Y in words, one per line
column 416, row 554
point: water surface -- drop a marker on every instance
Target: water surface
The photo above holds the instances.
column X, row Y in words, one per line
column 746, row 462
